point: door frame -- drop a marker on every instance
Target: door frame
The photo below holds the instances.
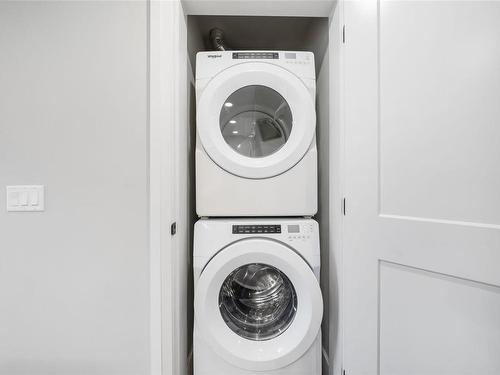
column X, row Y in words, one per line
column 337, row 193
column 164, row 82
column 167, row 94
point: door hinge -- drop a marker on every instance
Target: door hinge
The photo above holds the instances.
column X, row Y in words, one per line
column 344, row 206
column 173, row 228
column 343, row 34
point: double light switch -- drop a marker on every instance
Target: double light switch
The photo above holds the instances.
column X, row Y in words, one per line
column 25, row 198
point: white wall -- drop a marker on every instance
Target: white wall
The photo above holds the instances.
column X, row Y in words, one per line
column 74, row 290
column 288, row 8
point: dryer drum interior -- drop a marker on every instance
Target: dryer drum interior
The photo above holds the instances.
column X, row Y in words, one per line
column 257, row 301
column 256, row 121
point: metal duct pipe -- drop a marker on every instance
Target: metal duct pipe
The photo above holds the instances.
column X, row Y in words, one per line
column 217, row 40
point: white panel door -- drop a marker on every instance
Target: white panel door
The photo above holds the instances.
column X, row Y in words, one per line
column 422, row 230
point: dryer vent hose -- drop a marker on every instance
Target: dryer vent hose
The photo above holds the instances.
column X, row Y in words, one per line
column 217, row 40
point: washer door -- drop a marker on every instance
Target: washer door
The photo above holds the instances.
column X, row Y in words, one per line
column 258, row 304
column 256, row 120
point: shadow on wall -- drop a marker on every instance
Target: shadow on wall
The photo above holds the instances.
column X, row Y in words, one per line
column 263, row 33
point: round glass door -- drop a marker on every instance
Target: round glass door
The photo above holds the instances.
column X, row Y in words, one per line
column 256, row 121
column 257, row 301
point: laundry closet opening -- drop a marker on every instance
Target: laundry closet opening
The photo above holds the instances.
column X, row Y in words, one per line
column 269, row 34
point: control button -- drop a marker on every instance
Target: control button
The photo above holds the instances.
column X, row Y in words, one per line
column 23, row 198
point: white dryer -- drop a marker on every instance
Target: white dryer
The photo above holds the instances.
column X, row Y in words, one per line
column 258, row 304
column 256, row 146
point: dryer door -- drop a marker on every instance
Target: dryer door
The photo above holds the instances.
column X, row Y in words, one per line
column 256, row 120
column 258, row 304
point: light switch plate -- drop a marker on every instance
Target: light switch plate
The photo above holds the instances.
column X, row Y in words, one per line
column 25, row 198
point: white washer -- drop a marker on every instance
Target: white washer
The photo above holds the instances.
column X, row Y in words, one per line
column 256, row 146
column 257, row 304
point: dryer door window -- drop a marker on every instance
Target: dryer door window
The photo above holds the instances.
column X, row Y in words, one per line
column 258, row 301
column 256, row 121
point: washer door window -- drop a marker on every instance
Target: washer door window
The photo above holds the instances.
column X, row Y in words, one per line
column 255, row 120
column 258, row 305
column 258, row 301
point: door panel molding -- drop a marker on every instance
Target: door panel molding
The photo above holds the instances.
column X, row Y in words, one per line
column 415, row 203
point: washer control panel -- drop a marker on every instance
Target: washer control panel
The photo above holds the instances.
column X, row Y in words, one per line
column 299, row 232
column 292, row 232
column 258, row 228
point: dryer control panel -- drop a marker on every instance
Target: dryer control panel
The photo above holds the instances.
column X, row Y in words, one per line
column 211, row 63
column 248, row 229
column 256, row 55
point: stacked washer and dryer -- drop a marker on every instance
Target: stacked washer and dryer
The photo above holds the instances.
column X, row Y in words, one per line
column 258, row 304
